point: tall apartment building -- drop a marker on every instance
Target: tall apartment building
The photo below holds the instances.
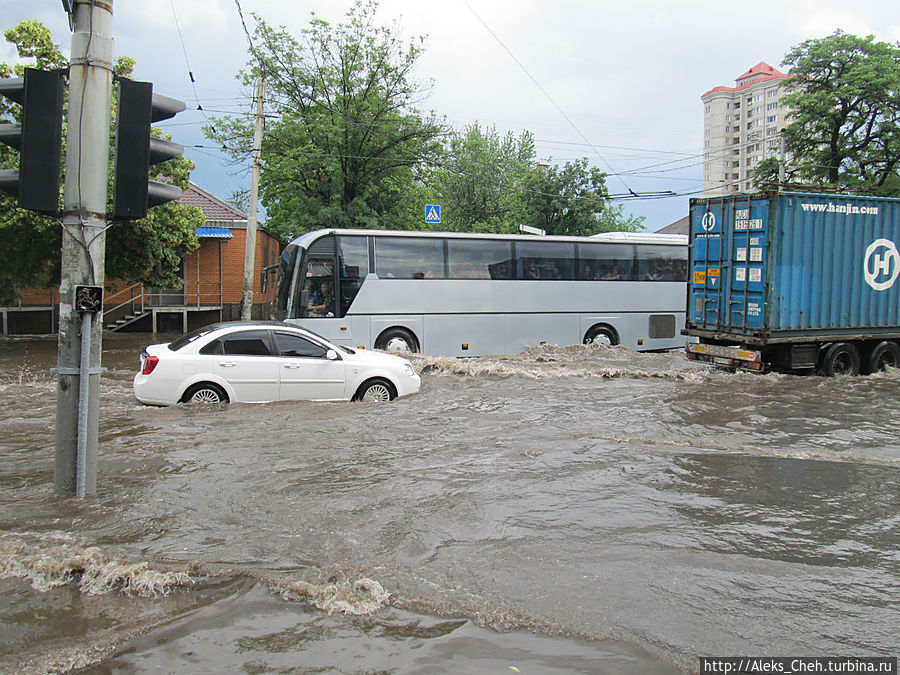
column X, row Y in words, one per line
column 741, row 126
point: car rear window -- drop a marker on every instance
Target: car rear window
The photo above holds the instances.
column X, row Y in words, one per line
column 185, row 340
column 246, row 343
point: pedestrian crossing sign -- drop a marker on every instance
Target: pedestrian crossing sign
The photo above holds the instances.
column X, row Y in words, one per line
column 433, row 213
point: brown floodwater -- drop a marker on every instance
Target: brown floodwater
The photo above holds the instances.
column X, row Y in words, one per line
column 581, row 509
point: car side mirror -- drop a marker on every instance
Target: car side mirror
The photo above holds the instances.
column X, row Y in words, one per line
column 331, row 355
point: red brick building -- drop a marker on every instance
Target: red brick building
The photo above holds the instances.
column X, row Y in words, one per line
column 213, row 277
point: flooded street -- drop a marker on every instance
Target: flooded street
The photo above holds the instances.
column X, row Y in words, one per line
column 582, row 509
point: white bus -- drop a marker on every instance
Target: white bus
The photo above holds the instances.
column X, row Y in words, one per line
column 463, row 294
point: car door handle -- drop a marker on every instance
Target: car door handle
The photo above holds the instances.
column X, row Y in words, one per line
column 227, row 364
column 293, row 366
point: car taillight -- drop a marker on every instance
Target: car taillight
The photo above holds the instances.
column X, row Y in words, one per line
column 149, row 364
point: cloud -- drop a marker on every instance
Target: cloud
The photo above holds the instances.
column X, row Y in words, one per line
column 619, row 83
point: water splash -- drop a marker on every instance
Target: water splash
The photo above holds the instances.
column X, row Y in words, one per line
column 550, row 361
column 348, row 596
column 89, row 569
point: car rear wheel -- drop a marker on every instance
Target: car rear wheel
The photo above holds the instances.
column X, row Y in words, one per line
column 205, row 392
column 376, row 391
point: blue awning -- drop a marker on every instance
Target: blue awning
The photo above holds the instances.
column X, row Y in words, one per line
column 214, row 233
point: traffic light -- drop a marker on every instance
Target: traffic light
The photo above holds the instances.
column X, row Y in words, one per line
column 38, row 139
column 137, row 150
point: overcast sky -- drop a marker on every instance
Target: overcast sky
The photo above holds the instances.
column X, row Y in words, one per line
column 616, row 82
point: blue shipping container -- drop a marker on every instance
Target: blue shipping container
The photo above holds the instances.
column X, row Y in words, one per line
column 775, row 267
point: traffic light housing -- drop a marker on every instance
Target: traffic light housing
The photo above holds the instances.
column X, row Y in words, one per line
column 38, row 139
column 137, row 150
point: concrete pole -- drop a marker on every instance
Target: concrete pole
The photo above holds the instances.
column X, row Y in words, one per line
column 83, row 240
column 250, row 246
column 781, row 159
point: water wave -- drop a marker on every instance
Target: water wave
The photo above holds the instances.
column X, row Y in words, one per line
column 89, row 569
column 348, row 596
column 95, row 572
column 550, row 361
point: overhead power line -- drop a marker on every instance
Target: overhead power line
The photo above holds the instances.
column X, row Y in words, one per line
column 562, row 112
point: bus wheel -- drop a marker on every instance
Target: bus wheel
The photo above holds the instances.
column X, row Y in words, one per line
column 601, row 335
column 885, row 355
column 841, row 359
column 397, row 340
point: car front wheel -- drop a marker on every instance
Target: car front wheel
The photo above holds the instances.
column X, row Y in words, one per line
column 205, row 392
column 376, row 391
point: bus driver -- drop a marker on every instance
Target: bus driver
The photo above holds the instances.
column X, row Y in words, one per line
column 320, row 301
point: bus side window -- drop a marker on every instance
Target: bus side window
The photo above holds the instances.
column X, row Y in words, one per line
column 660, row 263
column 546, row 260
column 606, row 261
column 409, row 258
column 479, row 259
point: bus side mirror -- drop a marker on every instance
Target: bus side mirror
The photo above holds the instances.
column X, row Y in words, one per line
column 264, row 277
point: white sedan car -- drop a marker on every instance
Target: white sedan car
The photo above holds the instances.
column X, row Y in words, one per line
column 267, row 361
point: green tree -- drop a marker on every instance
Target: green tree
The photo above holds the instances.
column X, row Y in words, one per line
column 481, row 183
column 344, row 144
column 494, row 183
column 573, row 200
column 765, row 175
column 149, row 250
column 845, row 110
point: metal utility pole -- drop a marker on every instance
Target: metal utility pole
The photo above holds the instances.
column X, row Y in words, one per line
column 250, row 247
column 83, row 248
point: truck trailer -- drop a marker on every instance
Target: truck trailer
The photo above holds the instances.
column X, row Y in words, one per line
column 795, row 282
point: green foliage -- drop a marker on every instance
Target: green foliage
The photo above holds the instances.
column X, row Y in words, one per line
column 345, row 146
column 845, row 107
column 343, row 138
column 147, row 251
column 33, row 41
column 765, row 175
column 481, row 183
column 494, row 183
column 573, row 200
column 26, row 237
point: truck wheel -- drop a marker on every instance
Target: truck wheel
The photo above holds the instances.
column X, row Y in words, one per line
column 841, row 358
column 885, row 355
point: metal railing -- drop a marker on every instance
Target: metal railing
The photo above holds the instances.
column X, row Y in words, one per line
column 138, row 298
column 133, row 304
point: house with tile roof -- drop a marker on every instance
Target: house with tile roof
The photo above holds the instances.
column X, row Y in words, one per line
column 212, row 275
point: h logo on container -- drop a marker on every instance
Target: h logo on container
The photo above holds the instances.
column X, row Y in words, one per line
column 882, row 262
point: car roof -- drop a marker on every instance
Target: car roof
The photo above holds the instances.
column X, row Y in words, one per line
column 204, row 331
